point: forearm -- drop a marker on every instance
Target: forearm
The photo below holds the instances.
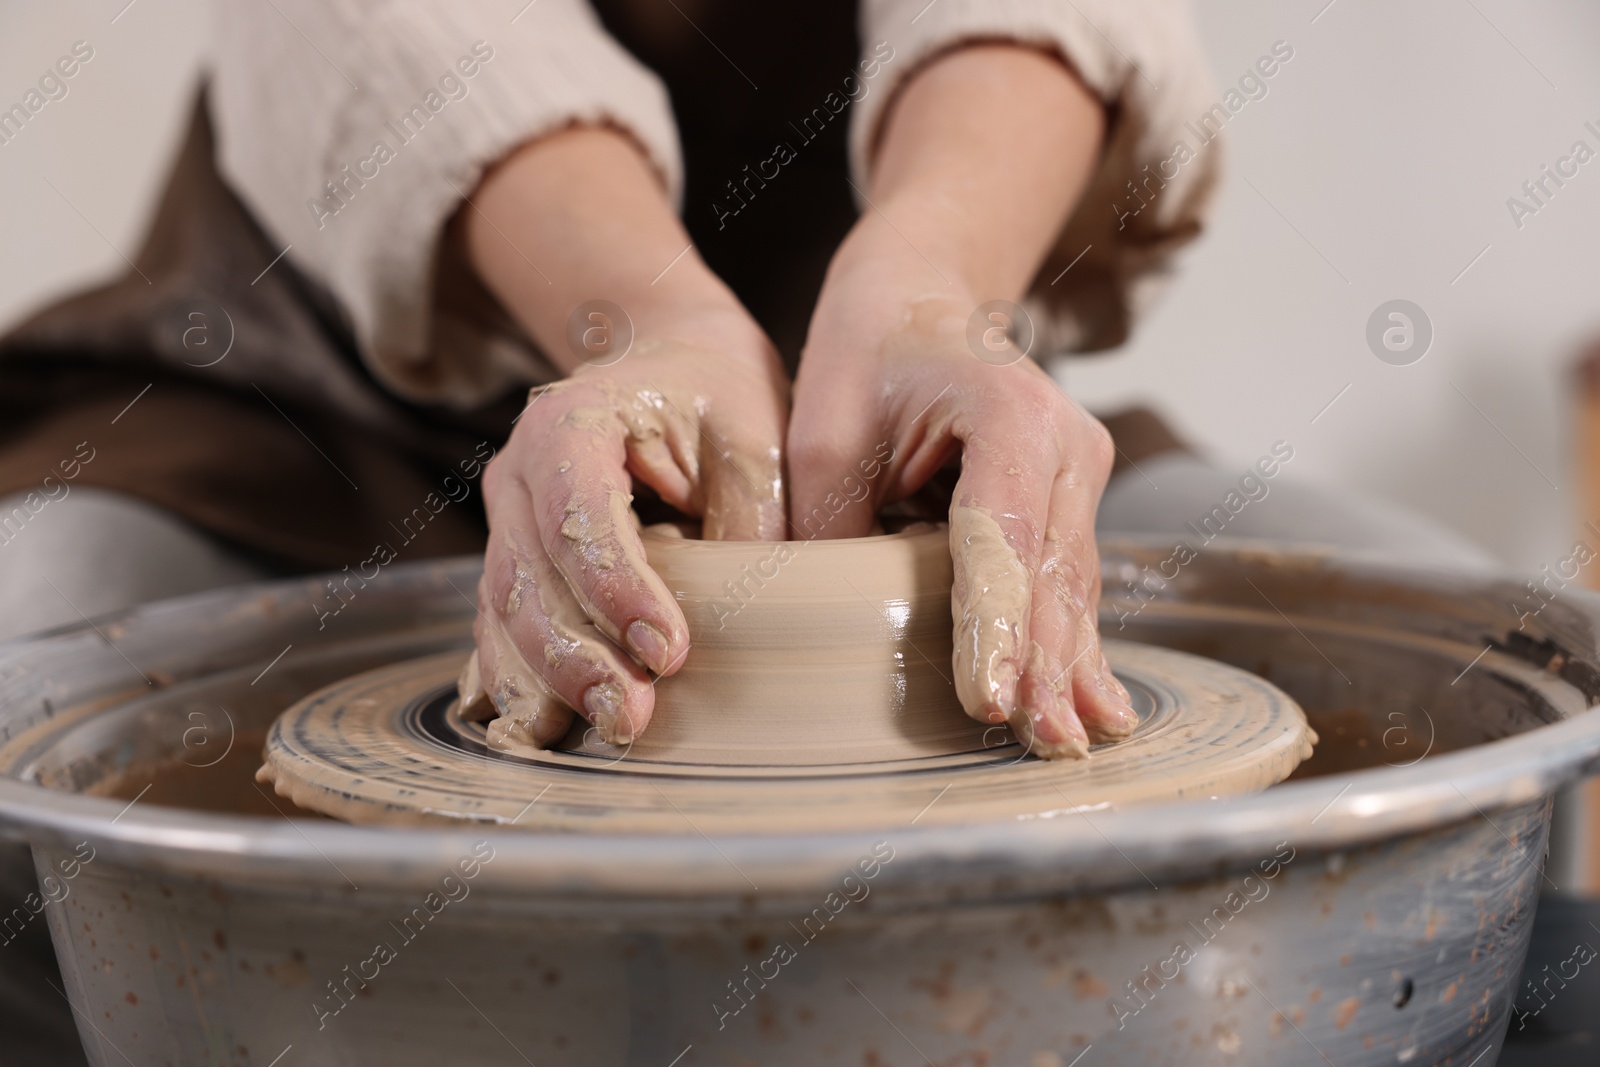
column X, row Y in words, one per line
column 981, row 160
column 580, row 216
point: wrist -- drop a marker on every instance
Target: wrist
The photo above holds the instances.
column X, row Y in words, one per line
column 982, row 155
column 881, row 274
column 579, row 217
column 708, row 322
column 912, row 239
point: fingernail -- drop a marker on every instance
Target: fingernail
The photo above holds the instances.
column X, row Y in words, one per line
column 1053, row 735
column 649, row 644
column 1113, row 725
column 1123, row 719
column 603, row 703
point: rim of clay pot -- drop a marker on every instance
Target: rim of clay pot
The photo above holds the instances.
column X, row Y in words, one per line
column 911, row 528
column 1068, row 852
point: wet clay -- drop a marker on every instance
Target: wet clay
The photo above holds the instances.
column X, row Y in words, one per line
column 810, row 653
column 989, row 601
column 781, row 631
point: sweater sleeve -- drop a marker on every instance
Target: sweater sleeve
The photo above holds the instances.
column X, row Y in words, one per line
column 354, row 129
column 1150, row 191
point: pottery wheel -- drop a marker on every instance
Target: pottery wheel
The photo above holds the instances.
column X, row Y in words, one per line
column 817, row 695
column 388, row 747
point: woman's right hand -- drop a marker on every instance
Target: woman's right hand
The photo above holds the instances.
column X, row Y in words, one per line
column 570, row 614
column 571, row 617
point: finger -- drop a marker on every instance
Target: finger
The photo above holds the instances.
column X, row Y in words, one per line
column 1065, row 696
column 838, row 460
column 1068, row 687
column 539, row 615
column 662, row 447
column 582, row 508
column 530, row 713
column 742, row 476
column 1044, row 718
column 1103, row 703
column 724, row 467
column 1096, row 689
column 996, row 523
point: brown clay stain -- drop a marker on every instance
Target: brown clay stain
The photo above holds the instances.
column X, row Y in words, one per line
column 1086, row 986
column 289, row 974
column 1345, row 1011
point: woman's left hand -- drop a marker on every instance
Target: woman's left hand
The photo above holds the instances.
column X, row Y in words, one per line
column 983, row 155
column 1033, row 465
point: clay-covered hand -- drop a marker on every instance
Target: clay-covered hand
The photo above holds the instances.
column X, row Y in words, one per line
column 983, row 154
column 570, row 614
column 1033, row 465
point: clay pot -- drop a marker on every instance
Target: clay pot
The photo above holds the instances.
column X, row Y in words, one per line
column 807, row 653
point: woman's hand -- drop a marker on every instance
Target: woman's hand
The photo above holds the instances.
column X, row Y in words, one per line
column 570, row 614
column 567, row 597
column 1033, row 464
column 982, row 157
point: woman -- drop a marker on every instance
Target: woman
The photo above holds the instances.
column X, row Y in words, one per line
column 388, row 221
column 411, row 213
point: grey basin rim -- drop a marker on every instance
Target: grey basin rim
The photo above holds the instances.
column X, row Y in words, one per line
column 1068, row 852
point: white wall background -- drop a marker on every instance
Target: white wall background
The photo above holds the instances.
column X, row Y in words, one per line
column 105, row 146
column 1390, row 142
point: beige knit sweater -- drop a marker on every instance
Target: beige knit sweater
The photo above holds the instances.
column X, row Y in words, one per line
column 354, row 128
